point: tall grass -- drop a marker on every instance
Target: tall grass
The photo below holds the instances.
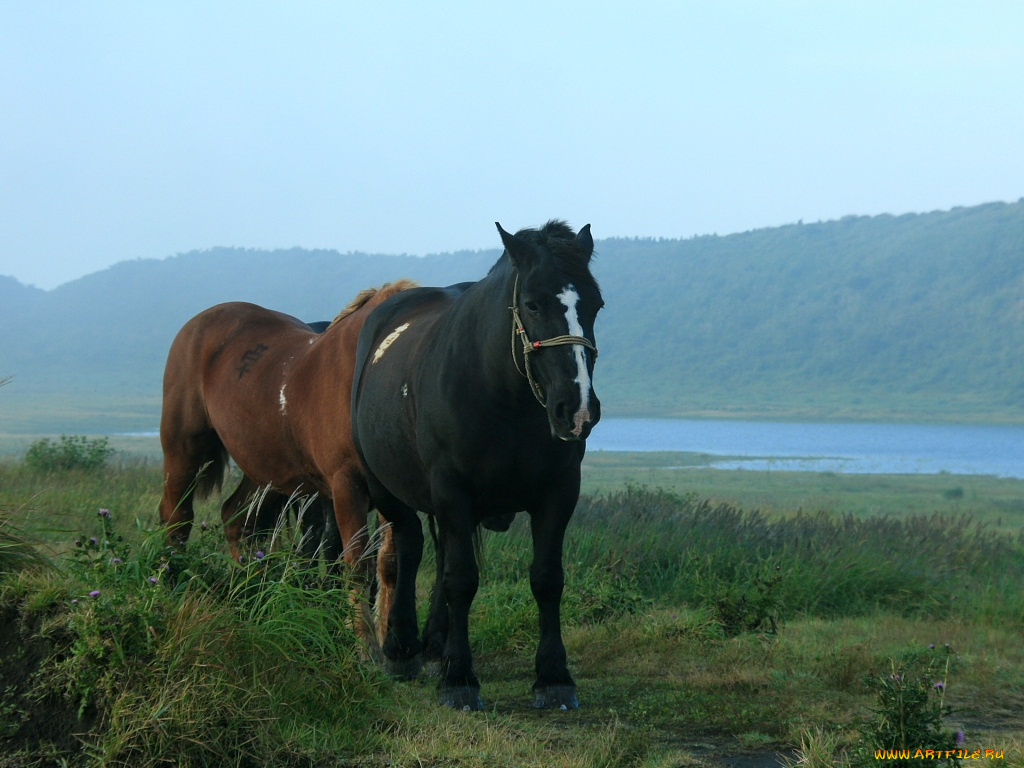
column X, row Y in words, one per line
column 18, row 550
column 676, row 549
column 158, row 653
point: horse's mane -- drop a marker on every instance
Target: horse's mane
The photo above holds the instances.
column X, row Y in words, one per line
column 363, row 297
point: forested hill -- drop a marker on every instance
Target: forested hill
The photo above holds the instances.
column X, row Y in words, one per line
column 917, row 316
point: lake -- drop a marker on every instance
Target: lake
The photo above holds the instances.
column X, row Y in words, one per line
column 825, row 447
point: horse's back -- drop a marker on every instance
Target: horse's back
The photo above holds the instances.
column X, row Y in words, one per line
column 224, row 370
column 412, row 309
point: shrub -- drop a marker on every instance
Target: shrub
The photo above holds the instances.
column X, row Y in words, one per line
column 75, row 452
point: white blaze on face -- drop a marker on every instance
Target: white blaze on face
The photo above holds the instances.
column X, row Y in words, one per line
column 570, row 299
column 283, row 401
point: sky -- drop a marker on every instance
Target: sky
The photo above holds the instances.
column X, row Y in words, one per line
column 142, row 130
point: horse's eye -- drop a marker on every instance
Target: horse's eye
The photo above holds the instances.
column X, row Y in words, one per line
column 532, row 306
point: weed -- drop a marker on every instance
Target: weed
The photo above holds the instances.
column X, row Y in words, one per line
column 909, row 713
column 744, row 606
column 819, row 748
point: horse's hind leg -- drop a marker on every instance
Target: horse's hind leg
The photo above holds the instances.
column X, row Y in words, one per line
column 435, row 630
column 401, row 644
column 351, row 509
column 319, row 533
column 239, row 514
column 387, row 575
column 184, row 459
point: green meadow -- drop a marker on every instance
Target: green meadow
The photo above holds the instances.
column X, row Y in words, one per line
column 711, row 617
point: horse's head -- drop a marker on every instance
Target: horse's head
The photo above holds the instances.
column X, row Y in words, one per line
column 555, row 302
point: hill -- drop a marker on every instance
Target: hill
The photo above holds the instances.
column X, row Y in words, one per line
column 912, row 317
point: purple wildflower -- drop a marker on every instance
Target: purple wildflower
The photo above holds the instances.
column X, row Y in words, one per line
column 94, row 541
column 153, row 579
column 259, row 555
column 961, row 737
column 74, row 601
column 117, row 561
column 203, row 526
column 94, row 593
column 931, row 646
column 939, row 686
column 104, row 513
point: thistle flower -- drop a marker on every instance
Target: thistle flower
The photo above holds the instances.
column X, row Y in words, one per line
column 939, row 686
column 104, row 513
column 153, row 579
column 94, row 541
column 259, row 555
column 116, row 561
column 94, row 593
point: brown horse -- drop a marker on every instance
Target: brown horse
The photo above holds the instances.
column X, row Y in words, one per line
column 265, row 389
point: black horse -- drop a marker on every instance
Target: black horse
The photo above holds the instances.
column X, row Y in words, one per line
column 445, row 417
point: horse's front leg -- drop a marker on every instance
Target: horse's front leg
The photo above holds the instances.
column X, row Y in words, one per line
column 459, row 687
column 555, row 687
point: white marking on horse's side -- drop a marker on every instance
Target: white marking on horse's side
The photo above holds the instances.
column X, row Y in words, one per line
column 570, row 298
column 388, row 341
column 283, row 401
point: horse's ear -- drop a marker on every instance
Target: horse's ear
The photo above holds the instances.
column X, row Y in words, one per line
column 586, row 240
column 519, row 252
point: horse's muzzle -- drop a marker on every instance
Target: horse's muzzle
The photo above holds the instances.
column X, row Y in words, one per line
column 574, row 423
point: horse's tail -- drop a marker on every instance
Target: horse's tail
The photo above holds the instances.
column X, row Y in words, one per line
column 213, row 470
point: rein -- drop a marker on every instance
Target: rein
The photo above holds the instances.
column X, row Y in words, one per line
column 529, row 347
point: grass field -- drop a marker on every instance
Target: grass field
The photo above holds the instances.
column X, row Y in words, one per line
column 998, row 502
column 709, row 615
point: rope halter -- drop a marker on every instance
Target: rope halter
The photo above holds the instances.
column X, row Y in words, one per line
column 529, row 347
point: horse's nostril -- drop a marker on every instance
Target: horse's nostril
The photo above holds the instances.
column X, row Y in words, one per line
column 561, row 411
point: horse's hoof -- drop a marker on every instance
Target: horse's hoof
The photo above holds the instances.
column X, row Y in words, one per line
column 432, row 667
column 404, row 669
column 556, row 697
column 464, row 697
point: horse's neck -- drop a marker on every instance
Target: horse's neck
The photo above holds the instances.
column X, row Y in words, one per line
column 479, row 332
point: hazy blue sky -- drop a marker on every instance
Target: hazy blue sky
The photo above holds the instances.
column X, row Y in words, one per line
column 144, row 129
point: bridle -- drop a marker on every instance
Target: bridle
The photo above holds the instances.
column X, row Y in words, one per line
column 529, row 347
